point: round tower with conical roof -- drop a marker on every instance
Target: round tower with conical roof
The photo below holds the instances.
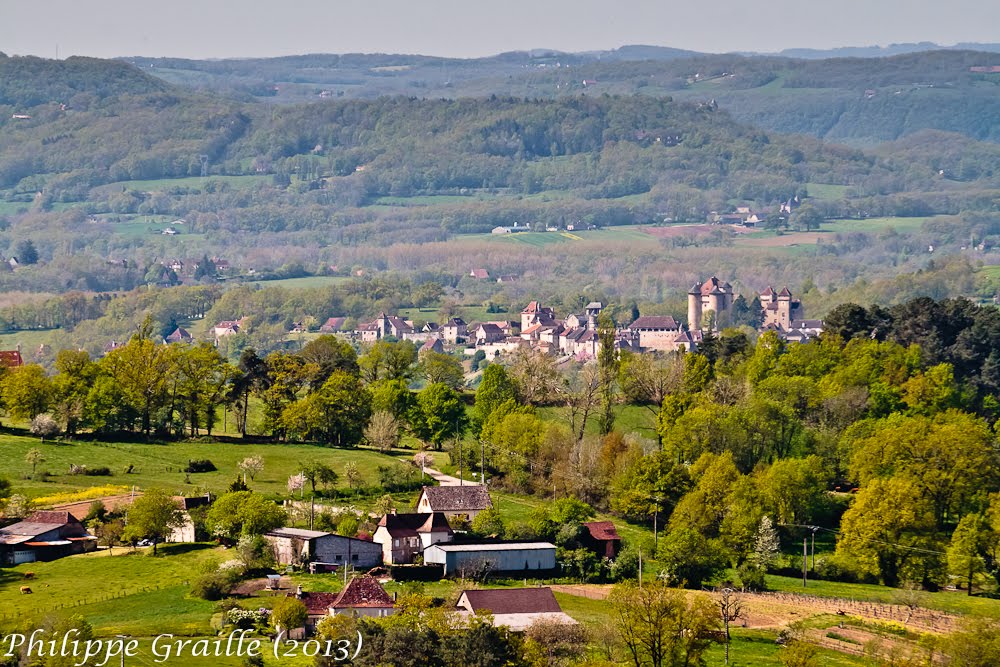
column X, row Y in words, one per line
column 694, row 307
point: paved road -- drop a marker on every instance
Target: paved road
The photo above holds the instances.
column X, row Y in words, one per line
column 448, row 480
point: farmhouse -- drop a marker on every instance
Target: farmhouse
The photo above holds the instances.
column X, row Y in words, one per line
column 297, row 546
column 461, row 501
column 515, row 608
column 44, row 536
column 404, row 536
column 494, row 557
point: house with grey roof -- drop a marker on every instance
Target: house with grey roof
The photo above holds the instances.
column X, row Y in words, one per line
column 514, row 608
column 461, row 501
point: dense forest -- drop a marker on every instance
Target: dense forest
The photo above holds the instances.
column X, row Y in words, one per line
column 856, row 99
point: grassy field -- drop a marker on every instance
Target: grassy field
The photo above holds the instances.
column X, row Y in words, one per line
column 827, row 192
column 469, row 313
column 120, row 593
column 162, row 465
column 540, row 239
column 193, row 182
column 304, row 282
column 28, row 340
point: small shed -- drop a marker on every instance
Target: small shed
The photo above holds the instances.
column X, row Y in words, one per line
column 493, row 557
column 602, row 538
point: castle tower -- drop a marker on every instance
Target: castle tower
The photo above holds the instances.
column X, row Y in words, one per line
column 694, row 307
column 785, row 308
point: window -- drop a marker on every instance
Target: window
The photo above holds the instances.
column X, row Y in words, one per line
column 340, row 557
column 354, row 557
column 397, row 543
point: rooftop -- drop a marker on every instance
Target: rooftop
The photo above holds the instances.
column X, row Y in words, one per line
column 513, row 600
column 495, row 546
column 457, row 498
column 363, row 591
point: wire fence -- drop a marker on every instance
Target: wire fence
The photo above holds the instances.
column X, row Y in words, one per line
column 106, row 596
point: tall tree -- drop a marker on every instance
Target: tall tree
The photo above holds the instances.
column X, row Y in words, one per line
column 884, row 525
column 153, row 515
column 439, row 414
column 141, row 369
column 607, row 362
column 663, row 627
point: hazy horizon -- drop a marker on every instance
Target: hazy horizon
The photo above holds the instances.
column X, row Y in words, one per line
column 448, row 28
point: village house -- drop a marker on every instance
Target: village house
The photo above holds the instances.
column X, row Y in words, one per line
column 179, row 335
column 535, row 313
column 11, row 358
column 228, row 328
column 44, row 536
column 296, row 546
column 317, row 608
column 333, row 325
column 514, row 608
column 431, row 345
column 363, row 596
column 454, row 329
column 385, row 326
column 488, row 333
column 510, row 557
column 185, row 533
column 455, row 501
column 479, row 274
column 507, row 278
column 405, row 536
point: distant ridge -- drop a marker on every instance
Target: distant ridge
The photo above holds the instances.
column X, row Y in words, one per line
column 881, row 51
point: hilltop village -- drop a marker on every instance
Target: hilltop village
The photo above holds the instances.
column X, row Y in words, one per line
column 712, row 305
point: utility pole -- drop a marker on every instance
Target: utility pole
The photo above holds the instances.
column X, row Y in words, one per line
column 805, row 561
column 656, row 516
column 813, row 555
column 640, row 568
column 482, row 463
column 461, row 467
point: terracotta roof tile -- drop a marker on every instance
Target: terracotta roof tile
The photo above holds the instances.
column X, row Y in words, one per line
column 363, row 591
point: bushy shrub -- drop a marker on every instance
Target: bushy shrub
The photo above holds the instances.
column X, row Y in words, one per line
column 751, row 577
column 103, row 471
column 210, row 587
column 626, row 565
column 200, row 465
